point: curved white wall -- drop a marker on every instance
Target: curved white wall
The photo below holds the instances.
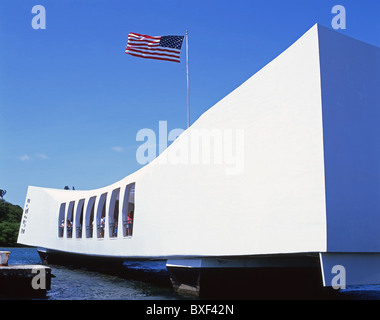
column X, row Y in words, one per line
column 272, row 202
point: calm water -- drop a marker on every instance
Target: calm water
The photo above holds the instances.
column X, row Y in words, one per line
column 139, row 281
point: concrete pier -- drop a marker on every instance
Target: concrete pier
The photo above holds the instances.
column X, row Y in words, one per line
column 25, row 281
column 4, row 257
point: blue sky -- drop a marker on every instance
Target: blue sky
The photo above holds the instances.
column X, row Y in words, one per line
column 71, row 100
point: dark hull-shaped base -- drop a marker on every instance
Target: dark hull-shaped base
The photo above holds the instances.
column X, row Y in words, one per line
column 72, row 259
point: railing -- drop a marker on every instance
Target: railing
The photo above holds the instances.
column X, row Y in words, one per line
column 79, row 232
column 100, row 230
column 128, row 226
column 69, row 232
column 89, row 231
column 113, row 230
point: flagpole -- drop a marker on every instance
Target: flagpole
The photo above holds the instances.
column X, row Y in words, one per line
column 187, row 76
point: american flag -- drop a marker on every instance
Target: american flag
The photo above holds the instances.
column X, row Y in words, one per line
column 159, row 47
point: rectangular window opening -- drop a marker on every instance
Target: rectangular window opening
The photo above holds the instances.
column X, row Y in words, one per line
column 114, row 213
column 90, row 217
column 61, row 220
column 128, row 210
column 69, row 220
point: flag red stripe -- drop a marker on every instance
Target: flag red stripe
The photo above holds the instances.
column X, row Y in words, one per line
column 157, row 58
column 153, row 53
column 132, row 43
column 132, row 34
column 163, row 49
column 143, row 41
